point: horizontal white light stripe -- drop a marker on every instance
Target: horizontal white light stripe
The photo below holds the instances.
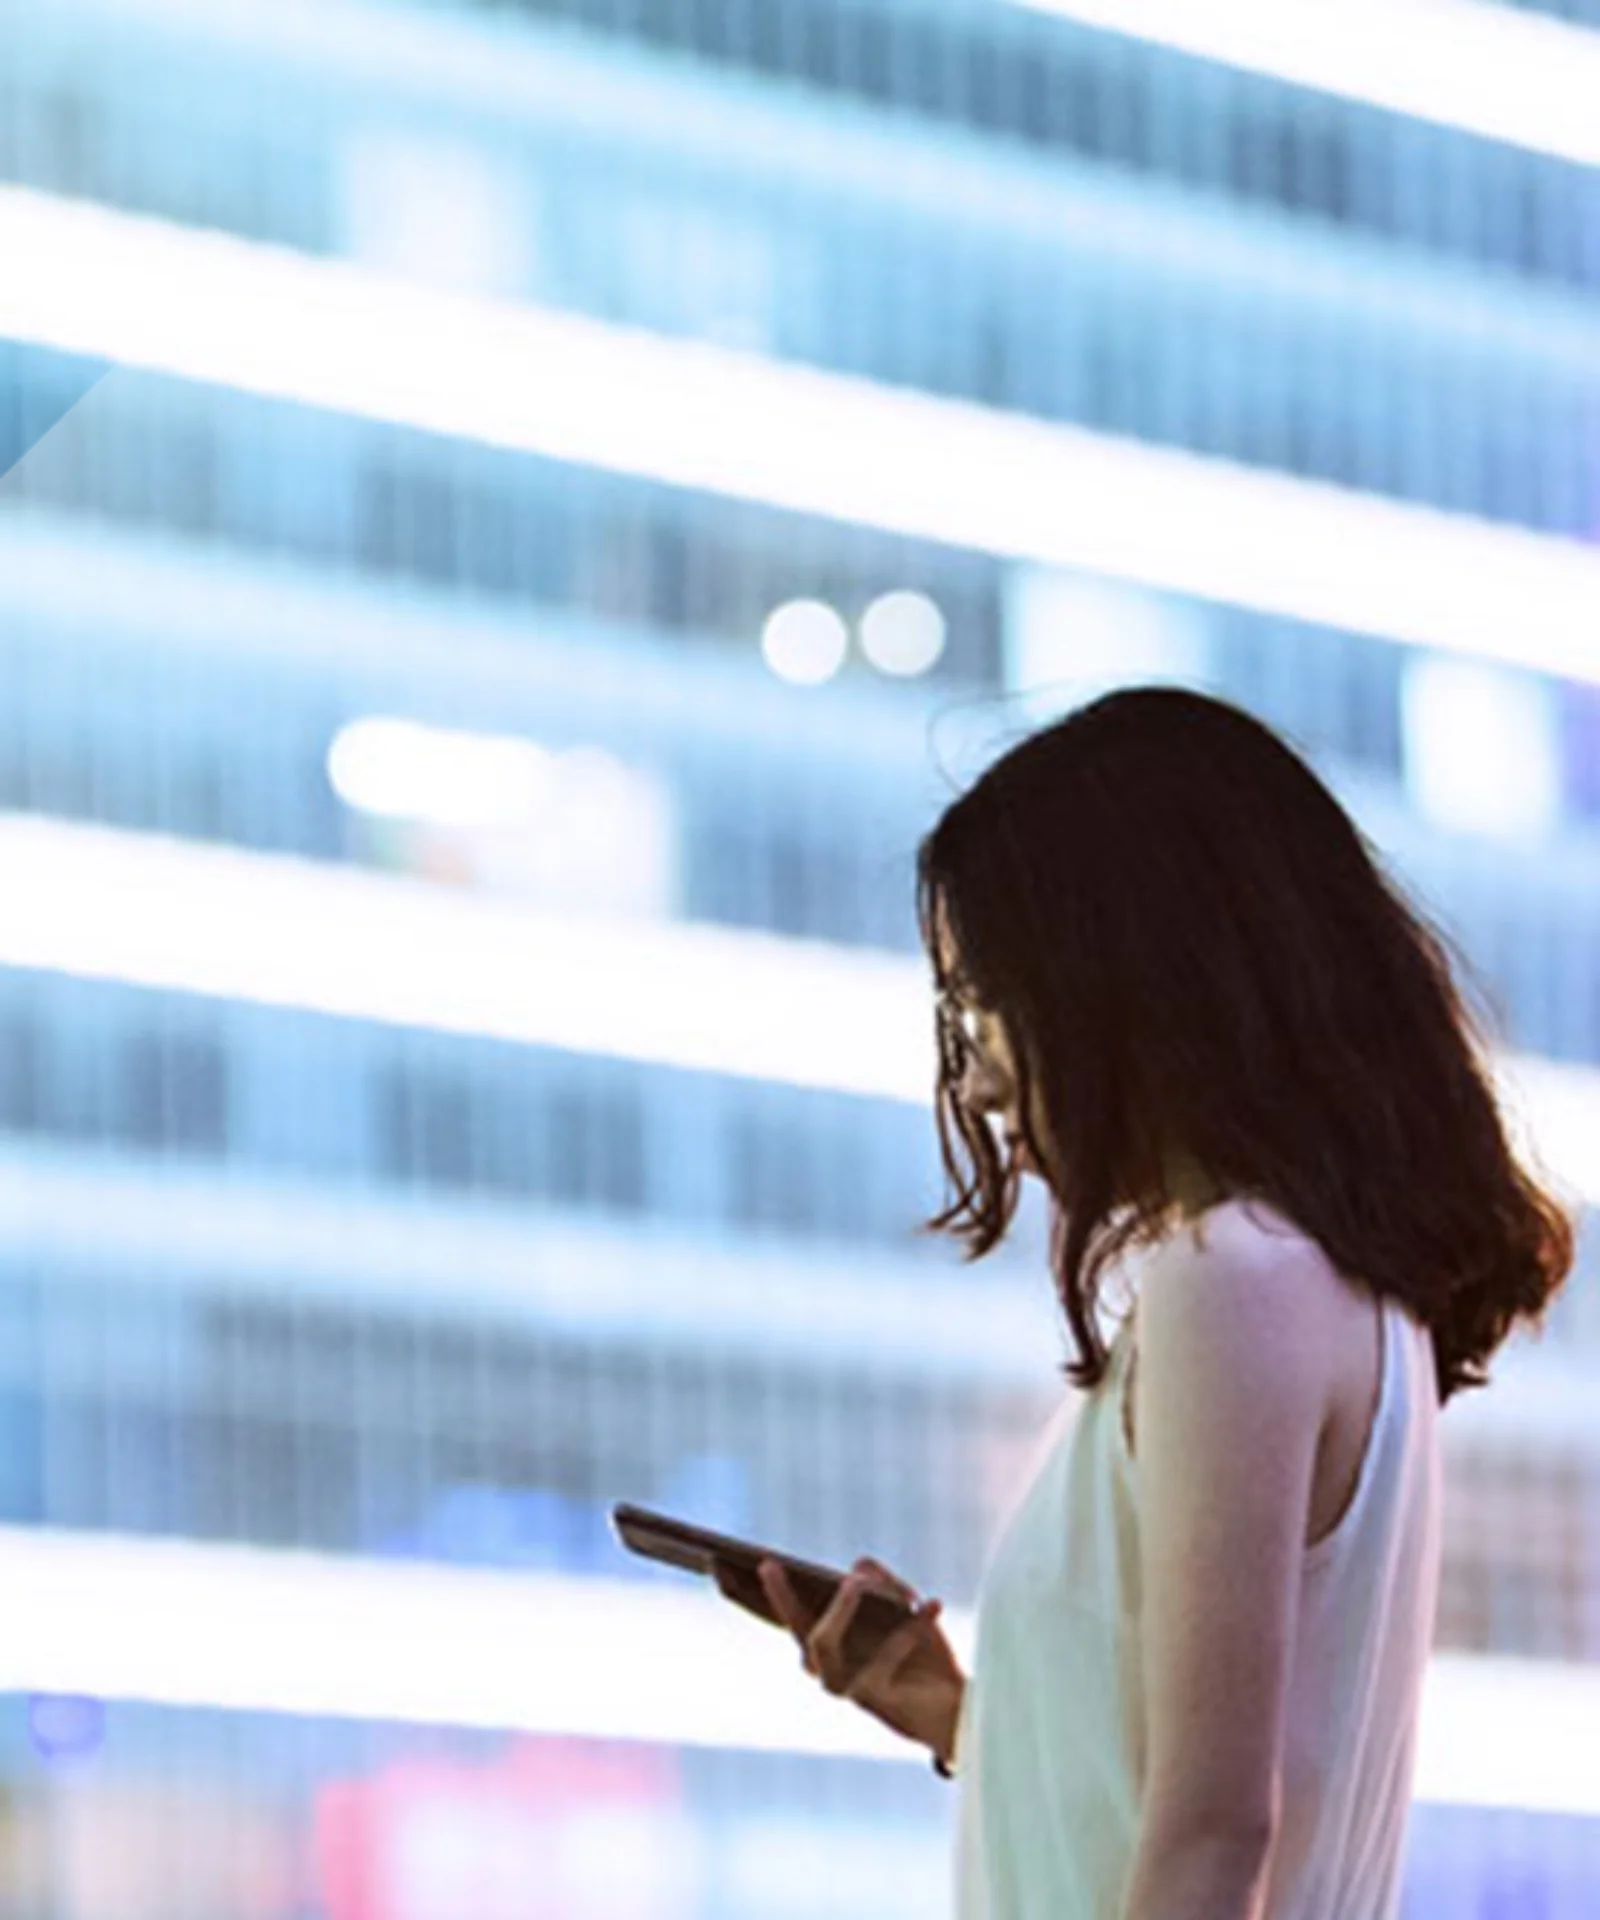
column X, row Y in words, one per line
column 127, row 1221
column 1516, row 77
column 243, row 1629
column 505, row 70
column 1554, row 1110
column 1510, row 1733
column 238, row 1628
column 158, row 912
column 99, row 903
column 1488, row 70
column 209, row 307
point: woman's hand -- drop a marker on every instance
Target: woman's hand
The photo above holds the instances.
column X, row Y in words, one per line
column 911, row 1681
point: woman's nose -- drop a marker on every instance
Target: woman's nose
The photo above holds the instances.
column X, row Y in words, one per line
column 981, row 1088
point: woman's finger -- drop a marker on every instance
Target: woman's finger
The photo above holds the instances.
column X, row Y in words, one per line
column 888, row 1658
column 775, row 1584
column 891, row 1582
column 825, row 1644
column 821, row 1637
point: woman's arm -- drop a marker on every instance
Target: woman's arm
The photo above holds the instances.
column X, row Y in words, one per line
column 1221, row 1875
column 1234, row 1382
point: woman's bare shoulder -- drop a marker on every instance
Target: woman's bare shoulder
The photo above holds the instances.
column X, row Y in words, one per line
column 1251, row 1233
column 1248, row 1251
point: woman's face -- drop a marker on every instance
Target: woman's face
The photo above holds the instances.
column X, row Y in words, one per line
column 988, row 1083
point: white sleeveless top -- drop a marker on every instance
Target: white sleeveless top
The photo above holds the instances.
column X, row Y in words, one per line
column 1049, row 1745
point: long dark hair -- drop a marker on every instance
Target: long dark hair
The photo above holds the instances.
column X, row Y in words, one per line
column 1195, row 952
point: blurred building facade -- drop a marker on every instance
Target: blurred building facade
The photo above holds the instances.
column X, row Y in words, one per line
column 390, row 1256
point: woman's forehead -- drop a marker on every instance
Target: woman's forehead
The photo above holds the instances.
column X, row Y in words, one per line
column 949, row 954
column 951, row 972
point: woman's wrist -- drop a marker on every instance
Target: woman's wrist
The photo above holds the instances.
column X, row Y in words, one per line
column 944, row 1750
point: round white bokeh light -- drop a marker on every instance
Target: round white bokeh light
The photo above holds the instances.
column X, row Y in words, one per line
column 805, row 642
column 903, row 633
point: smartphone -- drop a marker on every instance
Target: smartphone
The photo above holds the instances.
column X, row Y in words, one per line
column 680, row 1543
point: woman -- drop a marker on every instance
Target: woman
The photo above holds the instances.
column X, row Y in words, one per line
column 1173, row 985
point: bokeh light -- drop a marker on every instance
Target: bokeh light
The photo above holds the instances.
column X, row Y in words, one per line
column 804, row 642
column 903, row 633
